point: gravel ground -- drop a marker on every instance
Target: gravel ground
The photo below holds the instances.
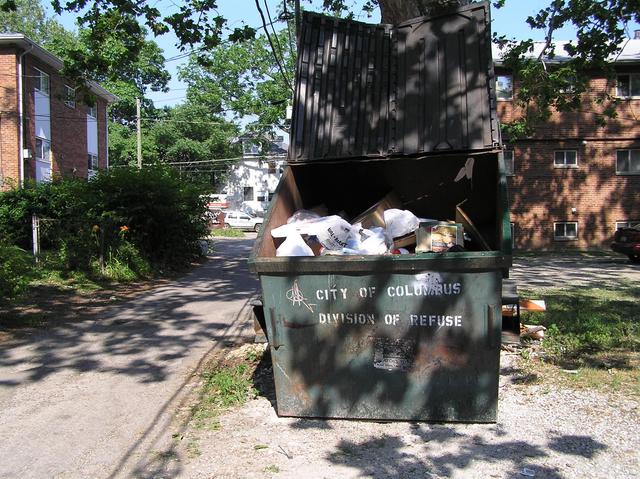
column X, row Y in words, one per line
column 541, row 432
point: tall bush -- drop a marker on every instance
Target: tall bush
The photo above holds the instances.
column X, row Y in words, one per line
column 15, row 269
column 137, row 218
column 163, row 213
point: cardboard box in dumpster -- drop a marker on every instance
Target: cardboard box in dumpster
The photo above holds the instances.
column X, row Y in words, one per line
column 438, row 237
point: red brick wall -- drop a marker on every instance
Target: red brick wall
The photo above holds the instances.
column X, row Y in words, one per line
column 541, row 194
column 68, row 126
column 9, row 120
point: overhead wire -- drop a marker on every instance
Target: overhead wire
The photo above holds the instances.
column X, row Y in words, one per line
column 275, row 35
column 273, row 49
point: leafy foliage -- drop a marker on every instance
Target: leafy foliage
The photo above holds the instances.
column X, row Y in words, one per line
column 127, row 65
column 15, row 265
column 124, row 223
column 186, row 133
column 244, row 78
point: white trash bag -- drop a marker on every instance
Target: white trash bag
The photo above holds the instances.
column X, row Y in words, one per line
column 332, row 231
column 400, row 222
column 294, row 245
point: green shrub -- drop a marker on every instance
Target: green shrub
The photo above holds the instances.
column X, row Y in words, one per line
column 125, row 263
column 15, row 271
column 130, row 221
column 163, row 213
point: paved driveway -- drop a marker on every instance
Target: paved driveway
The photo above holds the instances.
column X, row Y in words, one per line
column 571, row 270
column 96, row 398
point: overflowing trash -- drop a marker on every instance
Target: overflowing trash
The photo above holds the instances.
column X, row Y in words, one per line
column 384, row 228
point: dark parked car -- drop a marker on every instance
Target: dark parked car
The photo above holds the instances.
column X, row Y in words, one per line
column 627, row 241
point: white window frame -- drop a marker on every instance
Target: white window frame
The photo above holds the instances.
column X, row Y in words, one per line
column 92, row 160
column 565, row 164
column 629, row 153
column 631, row 77
column 627, row 224
column 498, row 89
column 92, row 111
column 509, row 171
column 69, row 96
column 565, row 237
column 39, row 78
column 40, row 152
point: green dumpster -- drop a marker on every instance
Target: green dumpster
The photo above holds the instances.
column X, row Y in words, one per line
column 411, row 337
column 407, row 109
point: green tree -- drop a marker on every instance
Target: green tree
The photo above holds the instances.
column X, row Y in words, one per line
column 30, row 19
column 244, row 78
column 189, row 136
column 128, row 66
column 600, row 25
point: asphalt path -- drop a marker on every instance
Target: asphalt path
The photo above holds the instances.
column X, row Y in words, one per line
column 97, row 398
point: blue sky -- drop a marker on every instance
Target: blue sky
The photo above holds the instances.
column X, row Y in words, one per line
column 509, row 21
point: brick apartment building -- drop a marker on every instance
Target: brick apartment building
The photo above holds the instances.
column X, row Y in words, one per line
column 44, row 129
column 573, row 183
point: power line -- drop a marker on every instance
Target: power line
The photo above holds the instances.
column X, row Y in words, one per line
column 273, row 50
column 223, row 160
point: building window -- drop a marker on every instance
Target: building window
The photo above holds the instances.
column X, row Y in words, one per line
column 628, row 85
column 627, row 224
column 565, row 231
column 250, row 148
column 504, row 87
column 271, row 167
column 43, row 150
column 92, row 162
column 509, row 166
column 92, row 111
column 628, row 162
column 42, row 82
column 69, row 96
column 566, row 159
column 248, row 193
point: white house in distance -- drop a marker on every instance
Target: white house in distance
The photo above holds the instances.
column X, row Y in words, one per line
column 253, row 180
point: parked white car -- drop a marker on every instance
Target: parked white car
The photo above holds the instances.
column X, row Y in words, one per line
column 242, row 220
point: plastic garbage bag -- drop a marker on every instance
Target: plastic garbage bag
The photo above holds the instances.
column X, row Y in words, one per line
column 294, row 245
column 400, row 222
column 303, row 215
column 332, row 231
column 376, row 241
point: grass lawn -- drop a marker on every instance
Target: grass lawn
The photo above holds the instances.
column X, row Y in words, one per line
column 593, row 337
column 227, row 233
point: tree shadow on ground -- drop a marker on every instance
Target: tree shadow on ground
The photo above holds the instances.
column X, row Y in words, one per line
column 138, row 338
column 426, row 453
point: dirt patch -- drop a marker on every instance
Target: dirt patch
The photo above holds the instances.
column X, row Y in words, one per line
column 544, row 430
column 49, row 305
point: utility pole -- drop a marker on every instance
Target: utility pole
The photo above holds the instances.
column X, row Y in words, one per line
column 138, row 133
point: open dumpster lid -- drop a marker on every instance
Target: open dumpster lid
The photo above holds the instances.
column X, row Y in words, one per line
column 376, row 91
